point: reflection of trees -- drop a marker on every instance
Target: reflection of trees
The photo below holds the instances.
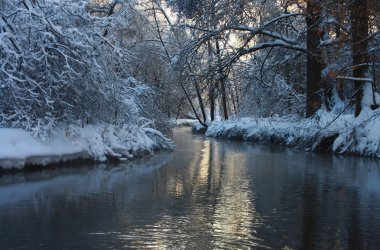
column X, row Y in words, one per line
column 234, row 194
column 355, row 237
column 211, row 198
column 333, row 204
column 235, row 216
column 304, row 200
column 310, row 215
column 228, row 194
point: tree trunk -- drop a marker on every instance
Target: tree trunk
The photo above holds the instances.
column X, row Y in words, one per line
column 237, row 99
column 192, row 104
column 340, row 14
column 223, row 79
column 200, row 100
column 212, row 85
column 233, row 100
column 224, row 98
column 211, row 97
column 359, row 30
column 314, row 57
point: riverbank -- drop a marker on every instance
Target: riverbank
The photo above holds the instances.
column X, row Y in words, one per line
column 206, row 194
column 20, row 149
column 326, row 131
column 185, row 122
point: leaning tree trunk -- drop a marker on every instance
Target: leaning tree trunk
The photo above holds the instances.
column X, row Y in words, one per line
column 200, row 100
column 314, row 57
column 359, row 31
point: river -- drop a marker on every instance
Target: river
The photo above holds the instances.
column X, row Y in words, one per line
column 206, row 194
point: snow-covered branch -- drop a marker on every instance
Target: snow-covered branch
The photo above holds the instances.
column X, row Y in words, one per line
column 58, row 65
column 354, row 78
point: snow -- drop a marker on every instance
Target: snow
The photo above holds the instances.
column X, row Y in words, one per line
column 348, row 134
column 186, row 122
column 20, row 148
column 17, row 142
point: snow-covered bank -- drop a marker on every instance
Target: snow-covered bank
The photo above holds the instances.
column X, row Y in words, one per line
column 185, row 122
column 343, row 134
column 19, row 148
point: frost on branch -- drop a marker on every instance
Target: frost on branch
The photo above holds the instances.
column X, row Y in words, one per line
column 59, row 64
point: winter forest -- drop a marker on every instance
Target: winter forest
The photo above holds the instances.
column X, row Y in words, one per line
column 108, row 78
column 190, row 124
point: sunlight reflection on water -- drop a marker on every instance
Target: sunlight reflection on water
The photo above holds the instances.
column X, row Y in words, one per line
column 207, row 194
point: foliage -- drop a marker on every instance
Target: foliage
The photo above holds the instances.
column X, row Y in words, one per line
column 60, row 62
column 248, row 54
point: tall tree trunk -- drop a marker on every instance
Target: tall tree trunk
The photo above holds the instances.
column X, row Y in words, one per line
column 224, row 97
column 211, row 85
column 211, row 97
column 340, row 15
column 223, row 79
column 359, row 30
column 314, row 57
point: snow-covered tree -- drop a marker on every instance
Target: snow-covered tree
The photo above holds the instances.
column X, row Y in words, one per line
column 308, row 45
column 61, row 62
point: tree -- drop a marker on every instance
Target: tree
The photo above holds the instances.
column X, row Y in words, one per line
column 60, row 64
column 225, row 30
column 314, row 56
column 360, row 60
column 276, row 52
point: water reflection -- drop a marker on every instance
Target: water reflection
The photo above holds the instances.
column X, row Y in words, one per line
column 207, row 194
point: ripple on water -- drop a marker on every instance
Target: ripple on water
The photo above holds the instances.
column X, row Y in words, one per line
column 207, row 194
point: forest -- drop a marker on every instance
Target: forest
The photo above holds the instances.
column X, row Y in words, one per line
column 112, row 76
column 189, row 124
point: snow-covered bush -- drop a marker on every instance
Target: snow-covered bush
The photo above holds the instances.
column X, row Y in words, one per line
column 59, row 63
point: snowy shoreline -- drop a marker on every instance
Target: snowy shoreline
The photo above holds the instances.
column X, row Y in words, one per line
column 20, row 148
column 326, row 132
column 186, row 122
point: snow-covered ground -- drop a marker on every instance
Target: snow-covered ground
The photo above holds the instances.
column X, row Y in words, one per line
column 326, row 131
column 19, row 147
column 185, row 122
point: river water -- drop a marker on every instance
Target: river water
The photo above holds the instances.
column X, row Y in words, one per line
column 207, row 194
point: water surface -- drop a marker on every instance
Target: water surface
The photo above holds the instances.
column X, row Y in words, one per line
column 207, row 194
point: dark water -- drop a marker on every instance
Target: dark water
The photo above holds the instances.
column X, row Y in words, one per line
column 207, row 194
